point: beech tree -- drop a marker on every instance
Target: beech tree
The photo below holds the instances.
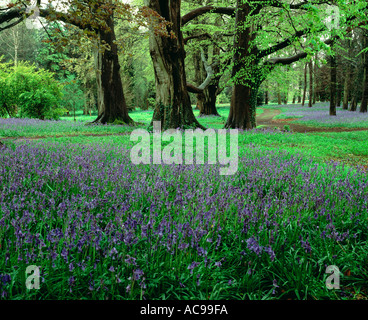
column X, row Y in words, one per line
column 310, row 66
column 333, row 80
column 305, row 84
column 364, row 103
column 173, row 107
column 96, row 19
column 252, row 63
column 210, row 36
column 263, row 30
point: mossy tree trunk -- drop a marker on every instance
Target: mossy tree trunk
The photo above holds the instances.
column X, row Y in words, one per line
column 242, row 113
column 173, row 107
column 111, row 101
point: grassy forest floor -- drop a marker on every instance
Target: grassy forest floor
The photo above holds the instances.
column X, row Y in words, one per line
column 101, row 227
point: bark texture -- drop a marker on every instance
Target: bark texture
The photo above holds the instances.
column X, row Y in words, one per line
column 244, row 96
column 207, row 99
column 173, row 107
column 111, row 101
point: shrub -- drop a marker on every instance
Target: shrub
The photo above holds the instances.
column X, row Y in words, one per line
column 151, row 103
column 34, row 93
column 6, row 107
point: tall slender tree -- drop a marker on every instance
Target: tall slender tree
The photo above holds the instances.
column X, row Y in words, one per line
column 333, row 80
column 364, row 103
column 310, row 66
column 305, row 84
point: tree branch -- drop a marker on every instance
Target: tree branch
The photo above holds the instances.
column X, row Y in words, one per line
column 9, row 15
column 12, row 24
column 197, row 36
column 20, row 14
column 206, row 82
column 280, row 4
column 200, row 11
column 303, row 54
column 283, row 44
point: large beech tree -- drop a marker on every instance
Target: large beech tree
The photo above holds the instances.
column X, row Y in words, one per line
column 96, row 19
column 255, row 46
column 173, row 107
column 252, row 63
column 208, row 44
column 254, row 55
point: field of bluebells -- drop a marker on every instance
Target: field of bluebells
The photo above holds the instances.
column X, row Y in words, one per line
column 101, row 227
column 318, row 116
column 17, row 127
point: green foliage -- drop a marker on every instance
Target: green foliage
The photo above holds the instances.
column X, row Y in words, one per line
column 50, row 56
column 31, row 92
column 260, row 97
column 151, row 103
column 73, row 96
column 224, row 96
column 36, row 104
column 6, row 95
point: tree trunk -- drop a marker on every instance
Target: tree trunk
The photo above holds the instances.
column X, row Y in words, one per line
column 338, row 83
column 173, row 107
column 338, row 95
column 207, row 99
column 353, row 104
column 111, row 101
column 364, row 103
column 279, row 102
column 240, row 108
column 310, row 65
column 300, row 89
column 198, row 77
column 314, row 79
column 345, row 104
column 199, row 104
column 242, row 113
column 266, row 97
column 305, row 85
column 16, row 45
column 333, row 86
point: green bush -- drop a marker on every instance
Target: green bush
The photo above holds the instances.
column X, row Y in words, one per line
column 30, row 92
column 7, row 108
column 151, row 103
